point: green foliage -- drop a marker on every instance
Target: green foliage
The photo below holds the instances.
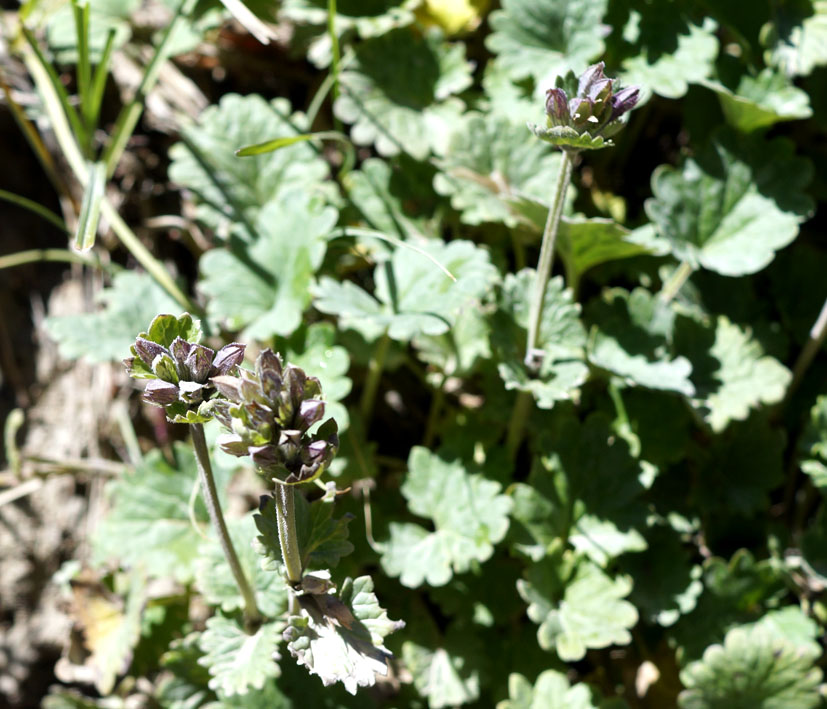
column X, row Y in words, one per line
column 562, row 339
column 411, row 116
column 717, row 213
column 577, row 609
column 488, row 164
column 231, row 192
column 413, row 296
column 129, row 304
column 469, row 516
column 149, row 522
column 238, row 661
column 277, row 268
column 753, row 668
column 341, row 637
column 545, row 38
column 635, row 513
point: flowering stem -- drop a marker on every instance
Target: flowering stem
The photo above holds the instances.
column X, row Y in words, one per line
column 252, row 616
column 288, row 538
column 546, row 258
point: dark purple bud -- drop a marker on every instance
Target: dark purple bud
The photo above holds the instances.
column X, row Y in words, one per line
column 600, row 90
column 227, row 358
column 148, row 350
column 310, row 411
column 265, row 456
column 557, row 107
column 312, row 388
column 180, row 349
column 199, row 362
column 259, row 417
column 228, row 386
column 624, row 100
column 160, row 393
column 589, row 77
column 221, row 411
column 269, row 371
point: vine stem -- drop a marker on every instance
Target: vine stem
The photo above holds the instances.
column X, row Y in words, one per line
column 288, row 538
column 547, row 258
column 252, row 616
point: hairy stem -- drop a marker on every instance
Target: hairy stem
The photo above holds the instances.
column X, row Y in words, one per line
column 546, row 259
column 252, row 616
column 288, row 538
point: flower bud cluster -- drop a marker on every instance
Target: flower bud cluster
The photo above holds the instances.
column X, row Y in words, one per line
column 583, row 112
column 179, row 370
column 269, row 413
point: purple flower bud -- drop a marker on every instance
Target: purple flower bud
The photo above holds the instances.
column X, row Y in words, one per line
column 557, row 107
column 199, row 362
column 148, row 350
column 228, row 386
column 160, row 393
column 310, row 411
column 624, row 100
column 180, row 349
column 266, row 457
column 227, row 358
column 589, row 77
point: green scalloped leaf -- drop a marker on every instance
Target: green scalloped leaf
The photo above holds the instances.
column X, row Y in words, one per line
column 762, row 101
column 577, row 613
column 468, row 512
column 132, row 301
column 230, row 191
column 149, row 520
column 546, row 38
column 447, row 670
column 730, row 209
column 665, row 52
column 631, row 337
column 263, row 286
column 562, row 339
column 551, row 691
column 215, row 579
column 753, row 668
column 582, row 487
column 394, row 197
column 490, row 161
column 413, row 115
column 797, row 39
column 341, row 637
column 413, row 295
column 731, row 373
column 239, row 662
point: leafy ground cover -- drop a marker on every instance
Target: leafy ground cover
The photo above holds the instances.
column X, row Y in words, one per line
column 587, row 473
